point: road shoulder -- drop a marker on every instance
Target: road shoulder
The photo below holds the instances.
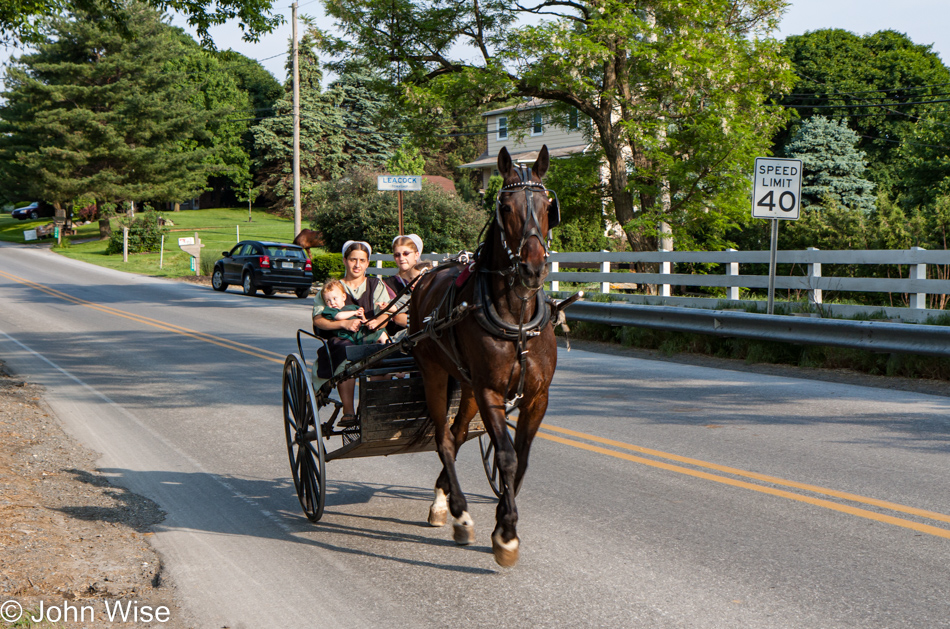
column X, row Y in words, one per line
column 67, row 533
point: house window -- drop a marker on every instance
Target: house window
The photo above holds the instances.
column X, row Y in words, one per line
column 502, row 128
column 537, row 128
column 572, row 120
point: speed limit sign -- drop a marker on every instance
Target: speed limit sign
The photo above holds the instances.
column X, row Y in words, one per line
column 778, row 188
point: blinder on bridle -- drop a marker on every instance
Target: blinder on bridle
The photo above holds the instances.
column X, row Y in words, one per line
column 529, row 188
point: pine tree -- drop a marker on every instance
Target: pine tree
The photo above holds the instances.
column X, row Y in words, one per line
column 361, row 102
column 93, row 113
column 321, row 140
column 832, row 166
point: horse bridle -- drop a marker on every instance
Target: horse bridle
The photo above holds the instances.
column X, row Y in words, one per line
column 532, row 225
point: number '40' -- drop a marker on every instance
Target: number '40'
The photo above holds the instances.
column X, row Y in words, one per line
column 786, row 201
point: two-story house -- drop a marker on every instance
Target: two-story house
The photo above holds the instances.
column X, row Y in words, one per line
column 524, row 144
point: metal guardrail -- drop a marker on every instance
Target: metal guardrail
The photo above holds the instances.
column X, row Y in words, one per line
column 875, row 336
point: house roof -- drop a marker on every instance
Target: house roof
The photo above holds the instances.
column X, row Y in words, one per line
column 534, row 103
column 528, row 157
column 443, row 182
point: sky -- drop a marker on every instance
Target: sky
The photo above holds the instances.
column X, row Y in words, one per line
column 924, row 21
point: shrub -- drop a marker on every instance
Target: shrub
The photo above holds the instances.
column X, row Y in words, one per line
column 326, row 266
column 145, row 234
column 89, row 213
column 352, row 208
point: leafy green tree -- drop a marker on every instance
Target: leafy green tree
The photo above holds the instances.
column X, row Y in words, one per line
column 864, row 81
column 94, row 114
column 22, row 19
column 832, row 166
column 676, row 92
column 215, row 91
column 262, row 88
column 924, row 161
column 351, row 207
column 576, row 181
column 406, row 160
column 495, row 182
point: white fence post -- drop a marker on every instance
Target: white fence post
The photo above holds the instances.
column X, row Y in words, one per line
column 918, row 272
column 814, row 270
column 605, row 268
column 555, row 267
column 664, row 270
column 732, row 268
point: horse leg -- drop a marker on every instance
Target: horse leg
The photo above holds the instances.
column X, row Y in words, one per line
column 529, row 420
column 504, row 539
column 438, row 512
column 463, row 527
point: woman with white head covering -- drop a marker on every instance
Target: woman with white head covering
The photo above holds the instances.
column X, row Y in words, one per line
column 368, row 293
column 406, row 252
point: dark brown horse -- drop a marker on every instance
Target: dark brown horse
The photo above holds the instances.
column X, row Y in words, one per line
column 504, row 350
column 308, row 238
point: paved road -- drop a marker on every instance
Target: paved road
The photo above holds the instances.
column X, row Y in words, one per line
column 659, row 495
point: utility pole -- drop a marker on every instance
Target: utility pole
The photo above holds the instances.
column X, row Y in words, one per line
column 296, row 129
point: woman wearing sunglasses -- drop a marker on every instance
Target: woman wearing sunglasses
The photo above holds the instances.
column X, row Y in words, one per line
column 406, row 252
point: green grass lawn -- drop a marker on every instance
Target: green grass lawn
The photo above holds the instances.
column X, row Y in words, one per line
column 217, row 228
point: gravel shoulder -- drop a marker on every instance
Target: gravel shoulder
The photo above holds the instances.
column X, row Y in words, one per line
column 66, row 533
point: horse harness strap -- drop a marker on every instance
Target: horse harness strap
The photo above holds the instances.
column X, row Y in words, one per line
column 449, row 344
column 487, row 315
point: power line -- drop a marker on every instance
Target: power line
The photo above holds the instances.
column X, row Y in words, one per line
column 926, row 102
column 896, row 89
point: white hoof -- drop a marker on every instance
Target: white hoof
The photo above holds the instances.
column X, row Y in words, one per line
column 439, row 511
column 463, row 530
column 506, row 553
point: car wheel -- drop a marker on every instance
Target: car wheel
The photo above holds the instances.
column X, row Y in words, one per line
column 302, row 292
column 34, row 215
column 249, row 288
column 217, row 279
column 268, row 291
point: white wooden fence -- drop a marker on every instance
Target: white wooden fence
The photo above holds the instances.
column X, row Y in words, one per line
column 915, row 264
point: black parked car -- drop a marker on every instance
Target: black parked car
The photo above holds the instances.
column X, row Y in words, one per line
column 33, row 210
column 268, row 266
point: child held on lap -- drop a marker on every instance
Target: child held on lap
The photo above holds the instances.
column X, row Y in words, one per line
column 337, row 310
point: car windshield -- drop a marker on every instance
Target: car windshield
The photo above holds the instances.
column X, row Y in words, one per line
column 285, row 252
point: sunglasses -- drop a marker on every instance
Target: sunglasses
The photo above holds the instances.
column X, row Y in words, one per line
column 405, row 254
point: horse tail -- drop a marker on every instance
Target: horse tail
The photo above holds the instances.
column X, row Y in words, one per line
column 424, row 433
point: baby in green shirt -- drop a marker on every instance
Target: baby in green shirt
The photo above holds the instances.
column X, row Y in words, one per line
column 334, row 296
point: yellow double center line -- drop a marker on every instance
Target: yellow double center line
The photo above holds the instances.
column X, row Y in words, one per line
column 622, row 448
column 155, row 323
column 584, row 441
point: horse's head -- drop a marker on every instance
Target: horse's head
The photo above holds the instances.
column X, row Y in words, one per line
column 525, row 212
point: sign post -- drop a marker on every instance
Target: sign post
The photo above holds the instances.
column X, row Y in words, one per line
column 776, row 195
column 399, row 183
column 192, row 246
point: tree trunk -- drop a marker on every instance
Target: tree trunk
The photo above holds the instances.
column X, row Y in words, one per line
column 177, row 206
column 105, row 229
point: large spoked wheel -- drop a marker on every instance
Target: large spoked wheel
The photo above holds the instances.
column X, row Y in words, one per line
column 304, row 438
column 490, row 463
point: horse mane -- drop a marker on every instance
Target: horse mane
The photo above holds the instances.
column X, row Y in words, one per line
column 486, row 248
